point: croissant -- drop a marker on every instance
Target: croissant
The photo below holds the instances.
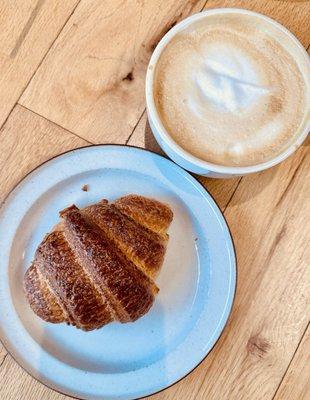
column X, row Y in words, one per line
column 99, row 263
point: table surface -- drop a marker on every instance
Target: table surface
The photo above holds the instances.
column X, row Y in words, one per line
column 72, row 74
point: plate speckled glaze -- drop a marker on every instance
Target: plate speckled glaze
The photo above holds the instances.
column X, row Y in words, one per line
column 197, row 281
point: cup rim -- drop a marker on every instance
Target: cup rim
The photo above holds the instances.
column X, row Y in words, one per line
column 152, row 111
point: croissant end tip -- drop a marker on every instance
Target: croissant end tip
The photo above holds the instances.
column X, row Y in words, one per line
column 63, row 212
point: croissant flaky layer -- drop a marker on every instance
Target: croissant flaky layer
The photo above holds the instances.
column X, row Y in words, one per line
column 98, row 264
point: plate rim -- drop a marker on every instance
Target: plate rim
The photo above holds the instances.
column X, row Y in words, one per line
column 203, row 189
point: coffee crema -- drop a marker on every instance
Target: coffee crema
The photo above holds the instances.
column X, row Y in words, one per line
column 228, row 92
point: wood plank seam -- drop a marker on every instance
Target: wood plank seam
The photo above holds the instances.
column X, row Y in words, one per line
column 4, row 357
column 144, row 110
column 27, row 28
column 54, row 123
column 129, row 77
column 102, row 92
column 232, row 195
column 204, row 5
column 43, row 58
column 134, row 128
column 289, row 364
column 276, row 241
column 282, row 231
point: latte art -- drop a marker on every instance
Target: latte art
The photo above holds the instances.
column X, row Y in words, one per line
column 228, row 92
column 227, row 80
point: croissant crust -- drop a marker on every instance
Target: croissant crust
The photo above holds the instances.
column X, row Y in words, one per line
column 99, row 263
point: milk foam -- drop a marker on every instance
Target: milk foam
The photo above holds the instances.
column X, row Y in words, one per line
column 227, row 79
column 229, row 93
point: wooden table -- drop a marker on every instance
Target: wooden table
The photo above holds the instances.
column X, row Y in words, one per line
column 72, row 74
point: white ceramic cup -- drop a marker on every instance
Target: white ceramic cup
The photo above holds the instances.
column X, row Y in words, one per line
column 184, row 158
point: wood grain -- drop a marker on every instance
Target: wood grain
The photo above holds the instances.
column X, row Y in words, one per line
column 142, row 136
column 27, row 30
column 92, row 81
column 3, row 354
column 263, row 352
column 294, row 15
column 296, row 384
column 272, row 303
column 23, row 386
column 26, row 141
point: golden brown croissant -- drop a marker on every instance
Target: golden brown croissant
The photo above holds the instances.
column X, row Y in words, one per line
column 98, row 264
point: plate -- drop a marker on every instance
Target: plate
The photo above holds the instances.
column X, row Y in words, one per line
column 197, row 280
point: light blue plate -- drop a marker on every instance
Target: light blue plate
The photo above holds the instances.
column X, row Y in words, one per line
column 197, row 281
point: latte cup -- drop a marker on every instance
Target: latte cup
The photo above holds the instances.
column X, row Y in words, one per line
column 183, row 157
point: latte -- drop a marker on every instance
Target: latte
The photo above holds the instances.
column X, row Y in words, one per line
column 229, row 92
